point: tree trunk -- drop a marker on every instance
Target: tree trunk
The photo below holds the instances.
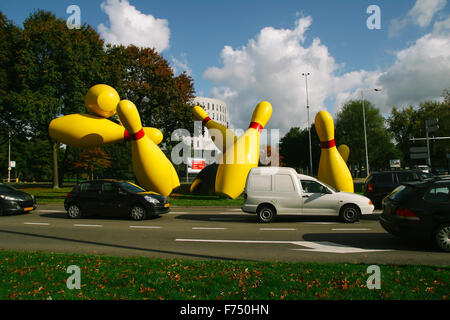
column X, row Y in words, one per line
column 55, row 165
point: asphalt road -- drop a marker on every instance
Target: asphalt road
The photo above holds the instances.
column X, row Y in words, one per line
column 215, row 233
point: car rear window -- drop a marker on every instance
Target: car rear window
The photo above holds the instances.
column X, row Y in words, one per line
column 383, row 178
column 401, row 193
column 406, row 176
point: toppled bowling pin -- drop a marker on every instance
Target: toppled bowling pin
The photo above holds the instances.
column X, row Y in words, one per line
column 87, row 131
column 152, row 168
column 332, row 168
column 228, row 136
column 102, row 100
column 243, row 155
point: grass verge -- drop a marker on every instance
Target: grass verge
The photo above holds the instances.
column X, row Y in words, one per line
column 37, row 275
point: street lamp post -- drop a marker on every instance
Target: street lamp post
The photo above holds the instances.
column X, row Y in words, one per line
column 309, row 129
column 365, row 133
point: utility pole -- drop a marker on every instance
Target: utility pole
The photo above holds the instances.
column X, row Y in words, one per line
column 309, row 128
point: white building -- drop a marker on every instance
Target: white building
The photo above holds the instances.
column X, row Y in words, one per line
column 217, row 111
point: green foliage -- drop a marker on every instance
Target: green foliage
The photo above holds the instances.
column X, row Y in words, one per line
column 294, row 149
column 350, row 131
column 410, row 122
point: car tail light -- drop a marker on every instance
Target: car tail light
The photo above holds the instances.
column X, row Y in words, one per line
column 370, row 187
column 245, row 196
column 406, row 214
column 68, row 195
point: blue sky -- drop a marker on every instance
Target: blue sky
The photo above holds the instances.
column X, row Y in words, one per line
column 247, row 51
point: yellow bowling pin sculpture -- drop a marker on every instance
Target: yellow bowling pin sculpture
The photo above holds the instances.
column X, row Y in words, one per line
column 152, row 168
column 344, row 151
column 332, row 168
column 87, row 131
column 228, row 136
column 243, row 155
column 102, row 100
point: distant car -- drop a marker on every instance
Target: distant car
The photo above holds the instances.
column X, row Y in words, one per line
column 423, row 168
column 15, row 201
column 380, row 183
column 439, row 171
column 419, row 210
column 115, row 199
column 272, row 191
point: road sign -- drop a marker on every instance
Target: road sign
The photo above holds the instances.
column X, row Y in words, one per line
column 395, row 163
column 419, row 155
column 418, row 149
column 12, row 164
column 432, row 125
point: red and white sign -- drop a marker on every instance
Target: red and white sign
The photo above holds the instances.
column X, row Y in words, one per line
column 196, row 165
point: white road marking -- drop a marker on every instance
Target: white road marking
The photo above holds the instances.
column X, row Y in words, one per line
column 319, row 222
column 207, row 228
column 277, row 229
column 38, row 223
column 145, row 227
column 350, row 229
column 88, row 225
column 184, row 212
column 235, row 210
column 50, row 210
column 319, row 246
column 226, row 219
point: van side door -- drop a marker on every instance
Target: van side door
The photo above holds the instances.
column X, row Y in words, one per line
column 286, row 193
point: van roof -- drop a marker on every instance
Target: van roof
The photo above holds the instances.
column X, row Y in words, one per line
column 273, row 170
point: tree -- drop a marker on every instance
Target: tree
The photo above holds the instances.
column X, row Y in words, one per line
column 54, row 66
column 93, row 160
column 144, row 77
column 349, row 130
column 410, row 122
column 9, row 42
column 294, row 149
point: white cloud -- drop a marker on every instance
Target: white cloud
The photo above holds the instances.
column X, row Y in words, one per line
column 420, row 72
column 127, row 25
column 181, row 65
column 269, row 67
column 421, row 14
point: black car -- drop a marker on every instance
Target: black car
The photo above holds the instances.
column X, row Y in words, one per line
column 114, row 198
column 419, row 210
column 15, row 201
column 379, row 184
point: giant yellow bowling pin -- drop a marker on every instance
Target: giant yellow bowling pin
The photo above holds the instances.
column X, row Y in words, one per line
column 228, row 136
column 332, row 168
column 88, row 131
column 243, row 155
column 152, row 168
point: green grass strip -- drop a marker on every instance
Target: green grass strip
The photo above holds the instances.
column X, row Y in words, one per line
column 37, row 275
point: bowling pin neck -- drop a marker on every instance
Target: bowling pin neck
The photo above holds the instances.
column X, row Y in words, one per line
column 256, row 125
column 206, row 120
column 134, row 136
column 328, row 144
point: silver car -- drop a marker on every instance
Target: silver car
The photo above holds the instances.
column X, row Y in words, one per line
column 272, row 191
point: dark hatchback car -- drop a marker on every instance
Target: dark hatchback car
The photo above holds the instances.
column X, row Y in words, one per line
column 419, row 210
column 114, row 199
column 379, row 184
column 15, row 201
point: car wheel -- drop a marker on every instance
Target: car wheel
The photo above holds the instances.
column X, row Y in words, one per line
column 74, row 211
column 138, row 213
column 442, row 237
column 349, row 213
column 266, row 214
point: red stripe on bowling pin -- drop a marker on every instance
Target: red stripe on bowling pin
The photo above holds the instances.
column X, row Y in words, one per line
column 257, row 126
column 206, row 120
column 138, row 135
column 328, row 144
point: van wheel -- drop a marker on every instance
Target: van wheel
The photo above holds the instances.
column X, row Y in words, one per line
column 349, row 213
column 74, row 211
column 138, row 213
column 266, row 214
column 442, row 237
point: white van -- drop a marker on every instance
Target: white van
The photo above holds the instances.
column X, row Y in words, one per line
column 271, row 191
